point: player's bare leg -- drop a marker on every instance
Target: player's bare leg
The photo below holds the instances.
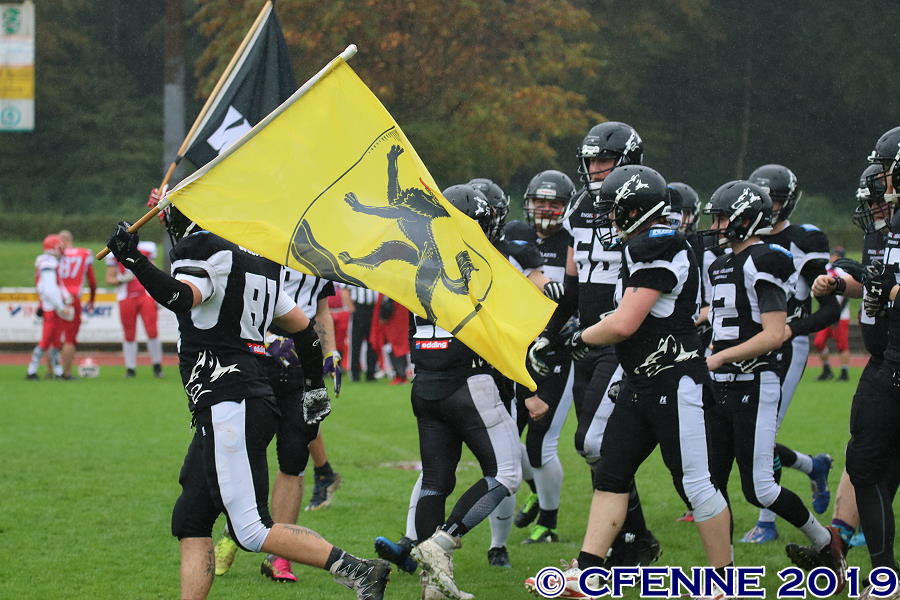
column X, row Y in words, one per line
column 68, row 357
column 716, row 536
column 197, row 568
column 287, row 493
column 607, row 514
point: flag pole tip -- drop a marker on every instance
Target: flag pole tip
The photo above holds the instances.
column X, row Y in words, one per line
column 349, row 52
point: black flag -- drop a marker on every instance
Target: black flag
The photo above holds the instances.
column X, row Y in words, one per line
column 261, row 79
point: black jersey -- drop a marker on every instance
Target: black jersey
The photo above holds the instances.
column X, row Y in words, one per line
column 221, row 350
column 555, row 251
column 873, row 328
column 667, row 344
column 734, row 306
column 306, row 290
column 810, row 250
column 442, row 362
column 598, row 268
column 519, row 246
column 891, row 259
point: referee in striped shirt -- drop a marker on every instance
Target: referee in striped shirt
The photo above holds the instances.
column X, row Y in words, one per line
column 362, row 304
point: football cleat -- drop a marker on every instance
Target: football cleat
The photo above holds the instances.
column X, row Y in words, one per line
column 572, row 590
column 858, row 539
column 435, row 557
column 367, row 578
column 277, row 569
column 32, row 377
column 870, row 594
column 633, row 551
column 396, row 552
column 761, row 533
column 324, row 490
column 819, row 482
column 528, row 512
column 498, row 557
column 129, row 373
column 225, row 550
column 541, row 535
column 830, row 557
column 157, row 371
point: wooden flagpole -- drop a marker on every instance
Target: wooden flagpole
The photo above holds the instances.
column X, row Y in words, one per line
column 188, row 139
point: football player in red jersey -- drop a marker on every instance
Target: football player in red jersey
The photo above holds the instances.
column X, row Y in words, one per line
column 74, row 265
column 55, row 303
column 134, row 300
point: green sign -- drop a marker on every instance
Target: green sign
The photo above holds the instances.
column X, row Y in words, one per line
column 12, row 21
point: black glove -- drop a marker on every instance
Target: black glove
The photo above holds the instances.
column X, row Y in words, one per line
column 316, row 405
column 554, row 290
column 878, row 280
column 123, row 244
column 577, row 347
column 536, row 356
column 39, row 313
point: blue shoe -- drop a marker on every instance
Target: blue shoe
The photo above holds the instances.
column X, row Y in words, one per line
column 397, row 552
column 819, row 482
column 761, row 533
column 858, row 539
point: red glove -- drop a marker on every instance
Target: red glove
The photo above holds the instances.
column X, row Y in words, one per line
column 153, row 199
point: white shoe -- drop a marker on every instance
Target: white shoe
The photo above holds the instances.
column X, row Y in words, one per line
column 435, row 557
column 867, row 594
column 572, row 574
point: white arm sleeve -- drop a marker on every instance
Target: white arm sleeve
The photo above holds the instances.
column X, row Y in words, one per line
column 283, row 304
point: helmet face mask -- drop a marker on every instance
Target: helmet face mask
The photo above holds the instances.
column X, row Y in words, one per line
column 177, row 224
column 546, row 198
column 748, row 210
column 873, row 213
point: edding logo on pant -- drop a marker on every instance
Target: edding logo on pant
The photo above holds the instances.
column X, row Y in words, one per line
column 433, row 345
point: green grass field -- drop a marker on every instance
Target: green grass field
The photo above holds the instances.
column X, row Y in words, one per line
column 89, row 476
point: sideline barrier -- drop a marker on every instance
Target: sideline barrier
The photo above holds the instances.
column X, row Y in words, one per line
column 19, row 323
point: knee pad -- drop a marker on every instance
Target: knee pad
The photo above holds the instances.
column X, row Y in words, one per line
column 250, row 534
column 190, row 521
column 293, row 454
column 605, row 480
column 509, row 474
column 709, row 508
column 762, row 494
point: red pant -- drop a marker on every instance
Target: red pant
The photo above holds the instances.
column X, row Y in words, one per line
column 50, row 333
column 69, row 329
column 129, row 308
column 341, row 325
column 840, row 331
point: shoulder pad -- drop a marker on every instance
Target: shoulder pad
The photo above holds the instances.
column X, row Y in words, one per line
column 775, row 260
column 781, row 249
column 655, row 244
column 199, row 246
column 812, row 239
column 810, row 227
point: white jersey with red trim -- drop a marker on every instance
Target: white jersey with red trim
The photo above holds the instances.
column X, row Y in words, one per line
column 52, row 294
column 131, row 288
column 73, row 268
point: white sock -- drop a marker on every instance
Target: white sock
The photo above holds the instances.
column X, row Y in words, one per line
column 129, row 349
column 548, row 480
column 817, row 534
column 55, row 362
column 766, row 516
column 804, row 463
column 155, row 348
column 411, row 532
column 527, row 473
column 502, row 521
column 36, row 355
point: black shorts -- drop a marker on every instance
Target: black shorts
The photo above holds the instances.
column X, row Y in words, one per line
column 226, row 470
column 294, row 435
column 590, row 389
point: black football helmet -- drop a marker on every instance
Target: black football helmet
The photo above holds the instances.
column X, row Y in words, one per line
column 548, row 187
column 887, row 155
column 177, row 224
column 684, row 204
column 498, row 201
column 614, row 140
column 472, row 203
column 637, row 194
column 872, row 212
column 748, row 208
column 781, row 184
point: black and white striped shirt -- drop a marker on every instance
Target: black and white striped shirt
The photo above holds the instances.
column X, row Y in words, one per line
column 361, row 295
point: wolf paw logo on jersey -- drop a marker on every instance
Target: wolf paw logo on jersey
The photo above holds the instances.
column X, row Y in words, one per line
column 206, row 361
column 668, row 353
column 631, row 186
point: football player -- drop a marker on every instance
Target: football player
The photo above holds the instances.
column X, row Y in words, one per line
column 659, row 400
column 75, row 265
column 294, row 437
column 225, row 299
column 456, row 402
column 592, row 271
column 55, row 304
column 809, row 247
column 872, row 453
column 544, row 412
column 133, row 301
column 684, row 203
column 750, row 288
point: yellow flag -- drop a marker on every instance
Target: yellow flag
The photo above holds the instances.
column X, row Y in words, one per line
column 329, row 185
